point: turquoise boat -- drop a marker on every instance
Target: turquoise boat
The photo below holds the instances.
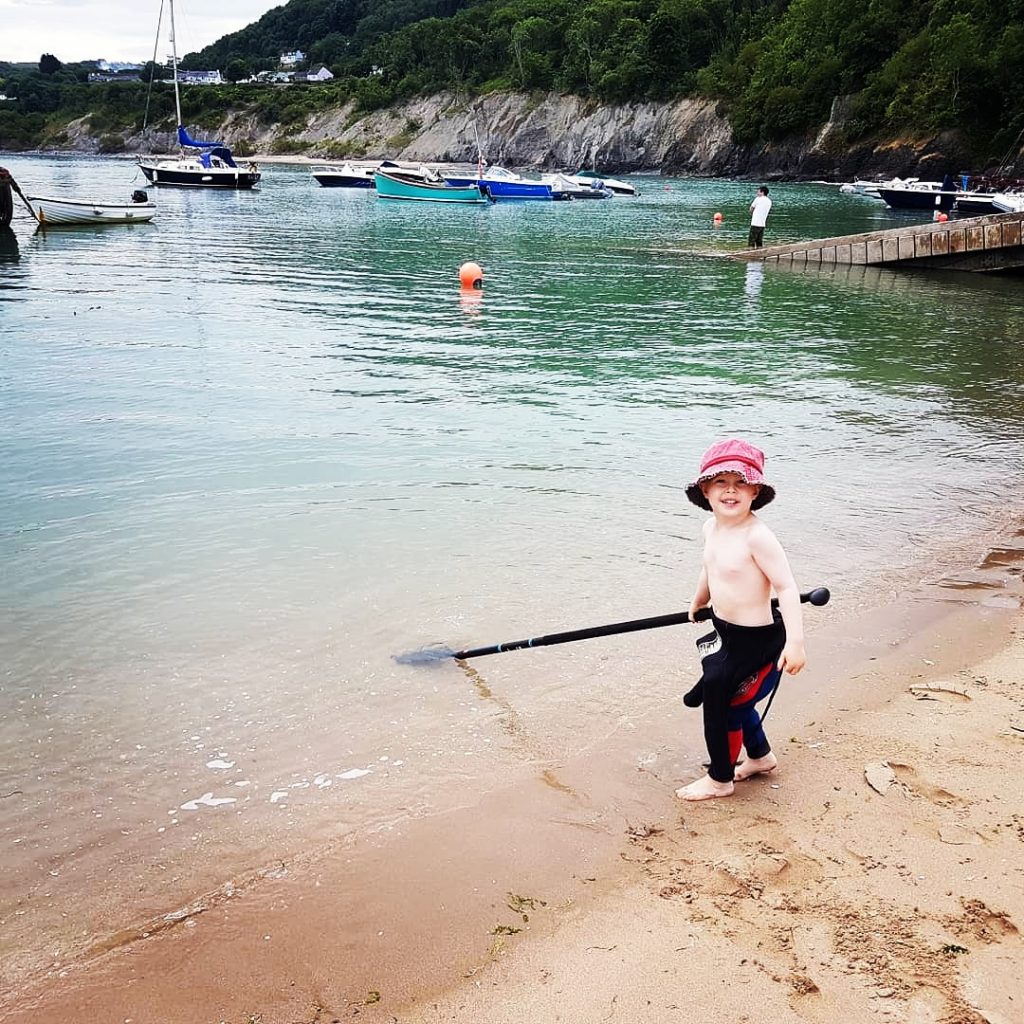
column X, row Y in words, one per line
column 397, row 186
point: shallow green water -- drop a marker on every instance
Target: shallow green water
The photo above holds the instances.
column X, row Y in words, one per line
column 252, row 450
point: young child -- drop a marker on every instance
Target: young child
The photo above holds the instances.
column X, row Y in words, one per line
column 752, row 643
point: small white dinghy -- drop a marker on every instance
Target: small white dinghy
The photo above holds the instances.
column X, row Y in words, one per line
column 52, row 212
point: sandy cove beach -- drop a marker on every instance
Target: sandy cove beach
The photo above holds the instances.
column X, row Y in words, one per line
column 878, row 874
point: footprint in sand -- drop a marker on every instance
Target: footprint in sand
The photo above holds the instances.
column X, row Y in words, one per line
column 913, row 782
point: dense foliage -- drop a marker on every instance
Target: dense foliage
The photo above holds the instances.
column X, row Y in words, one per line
column 908, row 66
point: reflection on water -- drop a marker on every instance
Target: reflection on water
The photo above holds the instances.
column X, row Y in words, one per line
column 252, row 450
column 916, row 282
column 471, row 300
column 754, row 281
column 9, row 252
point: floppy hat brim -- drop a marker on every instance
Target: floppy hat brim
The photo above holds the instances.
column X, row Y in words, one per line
column 696, row 495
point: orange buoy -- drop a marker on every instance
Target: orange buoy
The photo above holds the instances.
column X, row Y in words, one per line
column 471, row 275
column 942, row 217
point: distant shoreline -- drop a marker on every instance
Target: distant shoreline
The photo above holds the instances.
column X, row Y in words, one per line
column 258, row 158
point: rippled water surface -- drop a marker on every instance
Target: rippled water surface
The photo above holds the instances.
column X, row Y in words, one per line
column 251, row 451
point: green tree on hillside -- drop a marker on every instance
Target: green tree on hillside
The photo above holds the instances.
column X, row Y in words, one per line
column 774, row 66
column 237, row 70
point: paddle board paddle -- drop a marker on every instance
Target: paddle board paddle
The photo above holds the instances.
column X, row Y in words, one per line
column 426, row 655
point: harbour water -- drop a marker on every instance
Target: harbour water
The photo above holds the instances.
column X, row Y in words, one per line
column 253, row 450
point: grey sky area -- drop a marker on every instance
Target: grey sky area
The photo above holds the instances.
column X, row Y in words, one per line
column 116, row 30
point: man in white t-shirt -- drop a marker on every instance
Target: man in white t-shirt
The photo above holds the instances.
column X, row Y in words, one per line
column 758, row 217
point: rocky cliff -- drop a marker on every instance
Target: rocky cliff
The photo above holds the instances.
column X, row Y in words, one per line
column 553, row 131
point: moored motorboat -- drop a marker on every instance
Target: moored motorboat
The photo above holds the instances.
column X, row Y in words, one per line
column 392, row 185
column 864, row 187
column 619, row 188
column 1008, row 202
column 345, row 176
column 505, row 184
column 578, row 188
column 975, row 204
column 868, row 187
column 418, row 172
column 54, row 212
column 920, row 195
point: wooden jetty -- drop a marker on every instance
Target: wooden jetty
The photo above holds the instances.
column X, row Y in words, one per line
column 979, row 244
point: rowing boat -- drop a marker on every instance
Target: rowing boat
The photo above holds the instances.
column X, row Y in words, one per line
column 51, row 212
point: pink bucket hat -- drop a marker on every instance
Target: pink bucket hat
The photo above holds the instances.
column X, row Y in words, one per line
column 732, row 456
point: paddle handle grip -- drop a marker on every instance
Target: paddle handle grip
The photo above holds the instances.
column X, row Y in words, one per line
column 818, row 596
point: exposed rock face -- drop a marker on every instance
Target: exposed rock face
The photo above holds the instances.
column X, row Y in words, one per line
column 566, row 131
column 553, row 131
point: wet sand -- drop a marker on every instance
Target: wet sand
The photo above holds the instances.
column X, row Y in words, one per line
column 876, row 874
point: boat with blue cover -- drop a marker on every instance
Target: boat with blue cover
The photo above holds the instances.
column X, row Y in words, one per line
column 433, row 189
column 211, row 166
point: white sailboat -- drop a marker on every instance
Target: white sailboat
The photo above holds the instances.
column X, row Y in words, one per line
column 209, row 165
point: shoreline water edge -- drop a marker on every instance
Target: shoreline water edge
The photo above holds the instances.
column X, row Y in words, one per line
column 876, row 875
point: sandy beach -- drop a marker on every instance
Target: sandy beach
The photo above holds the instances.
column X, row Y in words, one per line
column 876, row 875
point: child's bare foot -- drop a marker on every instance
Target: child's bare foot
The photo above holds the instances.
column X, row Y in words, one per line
column 756, row 766
column 705, row 788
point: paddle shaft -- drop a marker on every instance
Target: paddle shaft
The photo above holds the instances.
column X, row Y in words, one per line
column 654, row 622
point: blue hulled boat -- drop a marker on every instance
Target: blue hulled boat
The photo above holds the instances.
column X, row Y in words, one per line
column 503, row 184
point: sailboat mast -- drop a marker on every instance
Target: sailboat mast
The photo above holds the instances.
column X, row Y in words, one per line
column 174, row 62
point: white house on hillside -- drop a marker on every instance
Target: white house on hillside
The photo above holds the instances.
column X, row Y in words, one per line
column 293, row 57
column 200, row 77
column 320, row 75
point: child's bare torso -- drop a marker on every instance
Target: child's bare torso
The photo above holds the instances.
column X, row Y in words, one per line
column 740, row 591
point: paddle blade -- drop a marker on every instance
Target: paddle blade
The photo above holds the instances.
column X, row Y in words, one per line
column 425, row 656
